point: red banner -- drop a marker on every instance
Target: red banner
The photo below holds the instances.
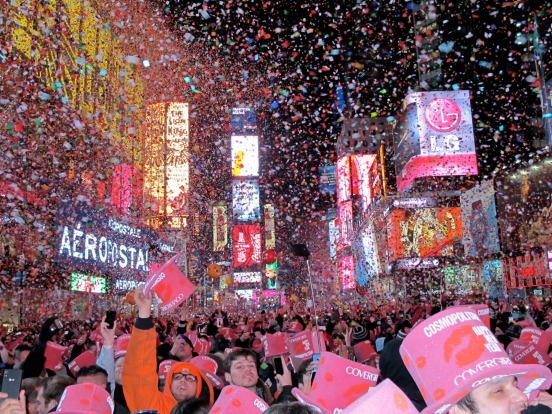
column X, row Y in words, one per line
column 247, row 245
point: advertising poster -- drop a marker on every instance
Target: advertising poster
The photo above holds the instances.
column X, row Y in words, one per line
column 343, row 180
column 220, row 228
column 347, row 272
column 524, row 200
column 435, row 137
column 243, row 120
column 269, row 227
column 425, row 232
column 126, row 186
column 326, row 179
column 492, row 278
column 367, row 255
column 346, row 224
column 247, row 245
column 479, row 220
column 245, row 200
column 245, row 155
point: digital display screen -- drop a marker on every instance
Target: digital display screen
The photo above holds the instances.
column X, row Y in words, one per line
column 86, row 283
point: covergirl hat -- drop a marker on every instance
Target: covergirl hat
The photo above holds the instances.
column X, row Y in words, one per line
column 164, row 368
column 209, row 367
column 384, row 398
column 238, row 400
column 121, row 345
column 338, row 383
column 531, row 354
column 453, row 352
column 85, row 359
column 364, row 351
column 537, row 337
column 275, row 344
column 85, row 399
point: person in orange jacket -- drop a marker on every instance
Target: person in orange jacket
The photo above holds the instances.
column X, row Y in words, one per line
column 184, row 381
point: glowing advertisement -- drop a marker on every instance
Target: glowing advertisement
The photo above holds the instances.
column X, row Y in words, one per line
column 479, row 220
column 245, row 200
column 246, row 294
column 526, row 271
column 524, row 201
column 367, row 255
column 346, row 224
column 435, row 137
column 343, row 180
column 247, row 277
column 220, row 228
column 89, row 240
column 423, row 233
column 269, row 227
column 333, row 229
column 86, row 283
column 126, row 187
column 245, row 155
column 549, row 261
column 247, row 245
column 166, row 167
column 326, row 179
column 243, row 119
column 272, row 275
column 347, row 272
column 492, row 278
column 361, row 177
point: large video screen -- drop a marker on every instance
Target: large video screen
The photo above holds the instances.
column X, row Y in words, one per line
column 245, row 155
column 243, row 119
column 247, row 245
column 424, row 232
column 86, row 283
column 246, row 200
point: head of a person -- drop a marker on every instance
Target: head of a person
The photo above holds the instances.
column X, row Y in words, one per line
column 93, row 374
column 290, row 408
column 31, row 387
column 118, row 370
column 304, row 376
column 192, row 407
column 50, row 391
column 501, row 396
column 240, row 368
column 21, row 353
column 185, row 382
column 185, row 351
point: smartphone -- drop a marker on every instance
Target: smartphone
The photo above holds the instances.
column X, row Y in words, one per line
column 279, row 365
column 110, row 316
column 315, row 358
column 56, row 325
column 11, row 383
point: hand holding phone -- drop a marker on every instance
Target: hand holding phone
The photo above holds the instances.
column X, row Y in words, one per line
column 279, row 366
column 110, row 317
column 11, row 383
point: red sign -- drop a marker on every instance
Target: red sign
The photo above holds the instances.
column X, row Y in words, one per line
column 247, row 245
column 526, row 271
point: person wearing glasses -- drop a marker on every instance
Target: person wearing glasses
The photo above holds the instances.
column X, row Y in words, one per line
column 184, row 381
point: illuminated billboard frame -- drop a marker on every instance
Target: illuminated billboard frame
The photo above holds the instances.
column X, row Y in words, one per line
column 245, row 155
column 436, row 137
column 246, row 200
column 247, row 277
column 87, row 283
column 247, row 245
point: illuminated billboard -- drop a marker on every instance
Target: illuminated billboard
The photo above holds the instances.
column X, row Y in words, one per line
column 126, row 186
column 367, row 254
column 343, row 179
column 247, row 245
column 220, row 228
column 326, row 179
column 245, row 155
column 524, row 201
column 422, row 233
column 247, row 277
column 362, row 175
column 245, row 200
column 333, row 231
column 166, row 166
column 435, row 137
column 347, row 272
column 243, row 119
column 269, row 227
column 526, row 271
column 479, row 220
column 86, row 283
column 345, row 224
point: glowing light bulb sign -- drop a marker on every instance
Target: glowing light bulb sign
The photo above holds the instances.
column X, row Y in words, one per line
column 435, row 137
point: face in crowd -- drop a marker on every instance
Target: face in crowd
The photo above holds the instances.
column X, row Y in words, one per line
column 243, row 372
column 183, row 385
column 501, row 396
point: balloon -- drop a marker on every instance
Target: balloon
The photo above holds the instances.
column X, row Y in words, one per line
column 130, row 298
column 214, row 270
column 269, row 256
column 228, row 280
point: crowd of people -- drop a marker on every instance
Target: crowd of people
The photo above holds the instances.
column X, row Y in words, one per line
column 417, row 356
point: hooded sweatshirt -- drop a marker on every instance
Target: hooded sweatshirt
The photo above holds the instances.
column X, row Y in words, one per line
column 140, row 373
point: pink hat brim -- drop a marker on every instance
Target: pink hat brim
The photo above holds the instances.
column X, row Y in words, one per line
column 526, row 374
column 306, row 400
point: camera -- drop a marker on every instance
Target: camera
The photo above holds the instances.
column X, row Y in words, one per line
column 56, row 325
